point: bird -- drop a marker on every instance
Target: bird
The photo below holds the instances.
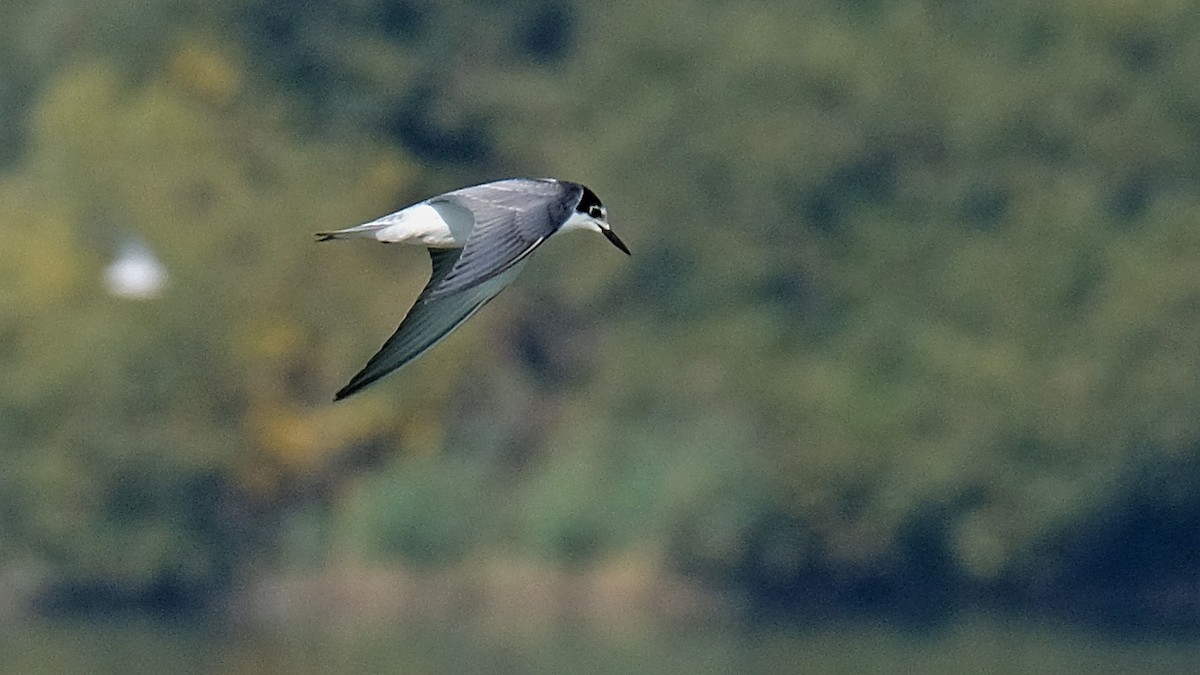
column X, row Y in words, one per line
column 135, row 273
column 478, row 239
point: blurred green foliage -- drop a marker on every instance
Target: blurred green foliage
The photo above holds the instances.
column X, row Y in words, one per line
column 918, row 279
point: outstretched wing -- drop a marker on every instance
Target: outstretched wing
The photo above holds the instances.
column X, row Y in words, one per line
column 428, row 321
column 512, row 218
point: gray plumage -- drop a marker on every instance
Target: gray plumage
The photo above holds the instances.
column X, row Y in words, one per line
column 511, row 218
column 497, row 225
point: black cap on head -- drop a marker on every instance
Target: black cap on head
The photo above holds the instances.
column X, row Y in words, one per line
column 590, row 204
column 587, row 200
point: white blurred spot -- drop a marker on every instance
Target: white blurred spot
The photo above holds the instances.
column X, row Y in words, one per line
column 135, row 273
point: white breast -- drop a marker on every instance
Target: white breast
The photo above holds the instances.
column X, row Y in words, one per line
column 419, row 224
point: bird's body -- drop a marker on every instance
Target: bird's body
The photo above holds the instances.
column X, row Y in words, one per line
column 478, row 240
column 419, row 224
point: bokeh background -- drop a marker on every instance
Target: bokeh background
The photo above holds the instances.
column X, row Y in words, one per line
column 906, row 362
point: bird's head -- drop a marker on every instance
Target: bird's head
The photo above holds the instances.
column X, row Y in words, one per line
column 590, row 214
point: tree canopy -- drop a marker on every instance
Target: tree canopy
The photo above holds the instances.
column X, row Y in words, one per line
column 915, row 279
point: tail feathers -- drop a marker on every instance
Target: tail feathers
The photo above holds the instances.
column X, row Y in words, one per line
column 365, row 231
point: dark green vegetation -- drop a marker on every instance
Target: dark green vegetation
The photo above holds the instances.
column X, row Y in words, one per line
column 913, row 314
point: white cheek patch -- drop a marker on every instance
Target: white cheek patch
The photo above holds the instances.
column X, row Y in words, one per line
column 581, row 221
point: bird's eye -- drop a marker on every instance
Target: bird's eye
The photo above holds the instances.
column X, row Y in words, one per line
column 595, row 211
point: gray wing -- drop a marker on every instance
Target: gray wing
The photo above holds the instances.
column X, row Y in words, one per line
column 427, row 322
column 512, row 218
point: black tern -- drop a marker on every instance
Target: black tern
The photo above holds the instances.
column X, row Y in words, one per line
column 478, row 238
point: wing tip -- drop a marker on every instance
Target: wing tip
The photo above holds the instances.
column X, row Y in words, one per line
column 355, row 385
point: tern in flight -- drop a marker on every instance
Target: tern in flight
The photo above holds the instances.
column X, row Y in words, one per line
column 478, row 239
